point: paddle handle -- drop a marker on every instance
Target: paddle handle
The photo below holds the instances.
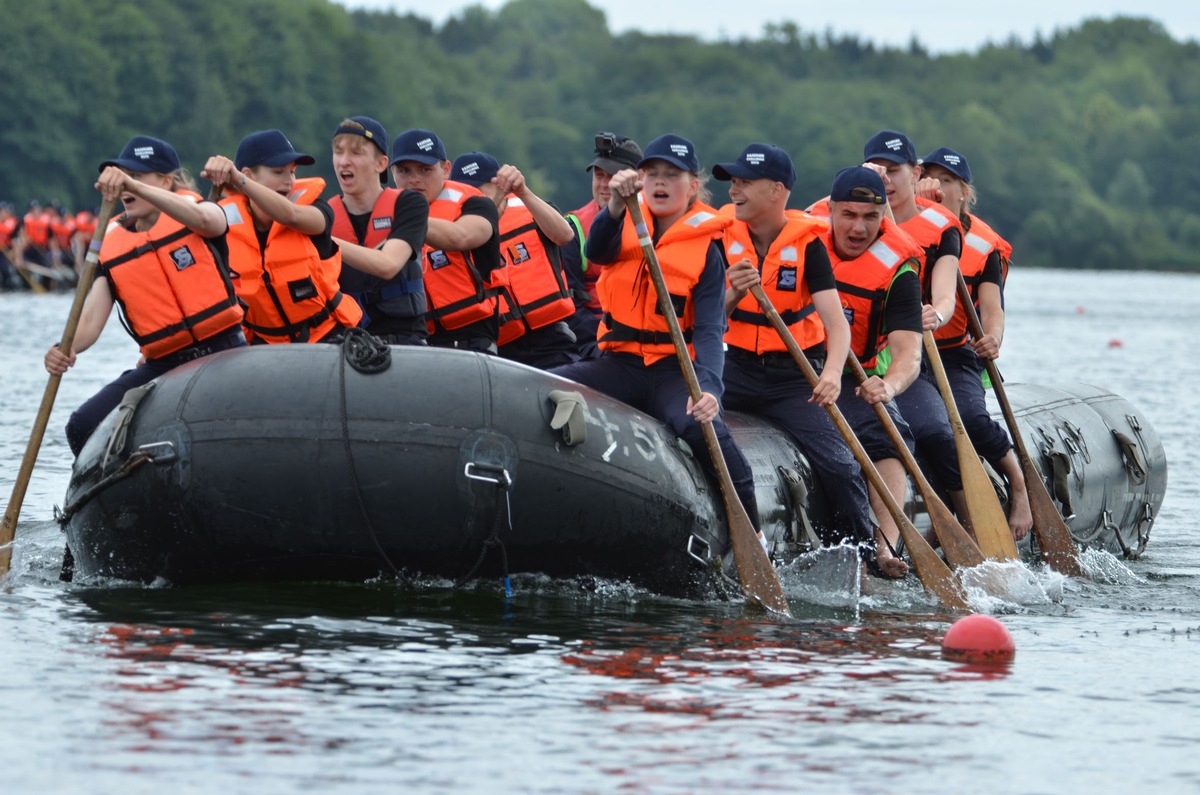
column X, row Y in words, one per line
column 12, row 512
column 961, row 550
column 758, row 577
column 1053, row 535
column 931, row 569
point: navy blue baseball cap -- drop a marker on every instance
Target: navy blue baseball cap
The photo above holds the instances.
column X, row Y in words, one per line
column 146, row 155
column 474, row 168
column 759, row 161
column 268, row 148
column 674, row 149
column 422, row 146
column 624, row 153
column 890, row 145
column 858, row 184
column 371, row 130
column 950, row 160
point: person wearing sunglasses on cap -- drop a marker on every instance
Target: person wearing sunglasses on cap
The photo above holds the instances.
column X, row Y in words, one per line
column 946, row 179
column 381, row 232
column 611, row 154
column 280, row 243
column 162, row 260
column 638, row 364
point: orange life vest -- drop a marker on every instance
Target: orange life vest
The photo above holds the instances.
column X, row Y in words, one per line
column 403, row 295
column 536, row 282
column 927, row 227
column 63, row 229
column 8, row 228
column 456, row 293
column 632, row 321
column 863, row 284
column 85, row 224
column 1002, row 246
column 782, row 275
column 37, row 229
column 172, row 287
column 291, row 294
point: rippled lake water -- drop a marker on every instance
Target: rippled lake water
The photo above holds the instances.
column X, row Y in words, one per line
column 593, row 687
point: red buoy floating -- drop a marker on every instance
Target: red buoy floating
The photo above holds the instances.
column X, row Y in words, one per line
column 978, row 638
column 1115, row 342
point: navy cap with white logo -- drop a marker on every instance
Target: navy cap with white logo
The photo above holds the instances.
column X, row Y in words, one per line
column 858, row 184
column 268, row 148
column 890, row 145
column 146, row 155
column 674, row 149
column 474, row 168
column 421, row 146
column 950, row 160
column 759, row 161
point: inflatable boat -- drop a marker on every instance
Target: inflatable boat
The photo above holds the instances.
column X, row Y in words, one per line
column 324, row 462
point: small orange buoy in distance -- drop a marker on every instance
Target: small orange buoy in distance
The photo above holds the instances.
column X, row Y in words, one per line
column 978, row 638
column 1115, row 343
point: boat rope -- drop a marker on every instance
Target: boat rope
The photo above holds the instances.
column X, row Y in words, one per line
column 502, row 518
column 366, row 354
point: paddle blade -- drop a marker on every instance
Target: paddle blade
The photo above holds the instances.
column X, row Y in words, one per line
column 1052, row 533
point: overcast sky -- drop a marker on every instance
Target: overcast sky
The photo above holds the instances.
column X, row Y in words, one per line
column 942, row 26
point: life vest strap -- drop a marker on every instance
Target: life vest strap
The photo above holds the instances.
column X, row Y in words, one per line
column 789, row 316
column 187, row 323
column 298, row 331
column 619, row 332
column 147, row 247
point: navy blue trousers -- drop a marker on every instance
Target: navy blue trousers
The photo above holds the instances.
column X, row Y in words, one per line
column 923, row 409
column 866, row 426
column 780, row 393
column 661, row 391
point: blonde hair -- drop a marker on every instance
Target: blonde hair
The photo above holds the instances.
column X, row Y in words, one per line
column 182, row 180
column 360, row 142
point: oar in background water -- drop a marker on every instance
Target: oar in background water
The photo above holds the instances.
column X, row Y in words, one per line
column 8, row 529
column 758, row 577
column 987, row 516
column 960, row 549
column 1052, row 533
column 933, row 572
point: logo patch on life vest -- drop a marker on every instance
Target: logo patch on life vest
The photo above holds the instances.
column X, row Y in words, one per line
column 786, row 280
column 517, row 254
column 302, row 289
column 381, row 223
column 438, row 259
column 182, row 257
column 848, row 311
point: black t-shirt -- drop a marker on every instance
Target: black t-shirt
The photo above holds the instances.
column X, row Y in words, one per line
column 902, row 307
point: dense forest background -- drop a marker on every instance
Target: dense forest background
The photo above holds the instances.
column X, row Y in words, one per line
column 1083, row 146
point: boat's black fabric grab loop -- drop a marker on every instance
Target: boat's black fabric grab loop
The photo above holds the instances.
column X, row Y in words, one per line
column 366, row 354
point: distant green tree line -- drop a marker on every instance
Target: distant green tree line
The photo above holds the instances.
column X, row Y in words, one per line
column 1083, row 144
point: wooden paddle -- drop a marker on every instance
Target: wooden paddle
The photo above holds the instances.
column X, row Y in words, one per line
column 9, row 528
column 33, row 283
column 961, row 550
column 1053, row 535
column 987, row 516
column 933, row 572
column 758, row 577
